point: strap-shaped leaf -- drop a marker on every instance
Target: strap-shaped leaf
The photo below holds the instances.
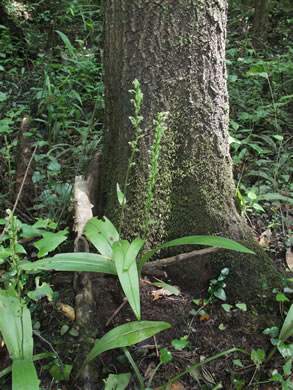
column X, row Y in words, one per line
column 16, row 327
column 123, row 336
column 129, row 279
column 134, row 247
column 220, row 242
column 90, row 262
column 102, row 234
column 287, row 328
column 24, row 375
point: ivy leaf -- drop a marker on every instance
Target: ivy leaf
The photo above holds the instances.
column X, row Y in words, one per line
column 50, row 242
column 220, row 294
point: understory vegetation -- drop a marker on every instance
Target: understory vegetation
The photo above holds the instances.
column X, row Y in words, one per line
column 51, row 126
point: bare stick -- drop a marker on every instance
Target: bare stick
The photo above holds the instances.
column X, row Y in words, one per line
column 125, row 300
column 21, row 188
column 183, row 256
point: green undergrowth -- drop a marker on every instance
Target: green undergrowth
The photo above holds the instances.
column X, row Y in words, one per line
column 261, row 120
column 56, row 81
column 53, row 74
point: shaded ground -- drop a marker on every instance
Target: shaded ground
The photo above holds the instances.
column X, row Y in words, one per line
column 205, row 338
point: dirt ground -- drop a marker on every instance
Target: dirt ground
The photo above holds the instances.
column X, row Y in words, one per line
column 208, row 335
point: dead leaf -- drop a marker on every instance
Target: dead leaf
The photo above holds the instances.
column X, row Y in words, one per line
column 265, row 238
column 68, row 311
column 204, row 317
column 149, row 370
column 207, row 375
column 162, row 292
column 289, row 259
column 173, row 386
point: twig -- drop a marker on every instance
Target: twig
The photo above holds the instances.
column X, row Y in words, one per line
column 21, row 188
column 125, row 300
column 156, row 345
column 54, row 351
column 183, row 256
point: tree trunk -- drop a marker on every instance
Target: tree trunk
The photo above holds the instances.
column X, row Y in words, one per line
column 176, row 49
column 260, row 22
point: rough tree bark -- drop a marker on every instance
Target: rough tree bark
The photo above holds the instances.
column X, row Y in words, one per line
column 260, row 22
column 176, row 49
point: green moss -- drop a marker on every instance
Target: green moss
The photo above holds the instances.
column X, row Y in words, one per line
column 252, row 277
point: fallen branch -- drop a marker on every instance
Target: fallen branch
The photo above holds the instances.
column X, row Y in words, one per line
column 178, row 258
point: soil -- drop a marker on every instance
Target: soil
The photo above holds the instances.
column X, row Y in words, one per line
column 208, row 335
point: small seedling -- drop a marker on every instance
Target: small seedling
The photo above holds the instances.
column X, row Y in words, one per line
column 216, row 289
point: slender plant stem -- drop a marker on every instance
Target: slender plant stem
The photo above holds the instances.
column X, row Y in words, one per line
column 153, row 374
column 21, row 188
column 134, row 366
column 154, row 168
column 133, row 145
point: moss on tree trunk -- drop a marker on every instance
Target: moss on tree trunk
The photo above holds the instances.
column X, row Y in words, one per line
column 176, row 49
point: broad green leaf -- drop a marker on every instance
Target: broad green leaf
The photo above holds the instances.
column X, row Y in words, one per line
column 173, row 290
column 121, row 197
column 45, row 223
column 220, row 294
column 16, row 327
column 241, row 306
column 220, row 242
column 252, row 195
column 102, row 234
column 90, row 262
column 225, row 271
column 181, row 343
column 117, row 381
column 42, row 290
column 287, row 328
column 5, row 252
column 54, row 166
column 287, row 368
column 238, row 363
column 280, row 297
column 50, row 242
column 19, row 249
column 3, row 97
column 273, row 331
column 227, row 307
column 57, row 373
column 276, row 378
column 165, row 356
column 130, row 256
column 258, row 356
column 29, row 231
column 286, row 350
column 129, row 279
column 124, row 336
column 24, row 375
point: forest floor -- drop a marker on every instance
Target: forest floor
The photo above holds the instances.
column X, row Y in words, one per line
column 197, row 336
column 205, row 336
